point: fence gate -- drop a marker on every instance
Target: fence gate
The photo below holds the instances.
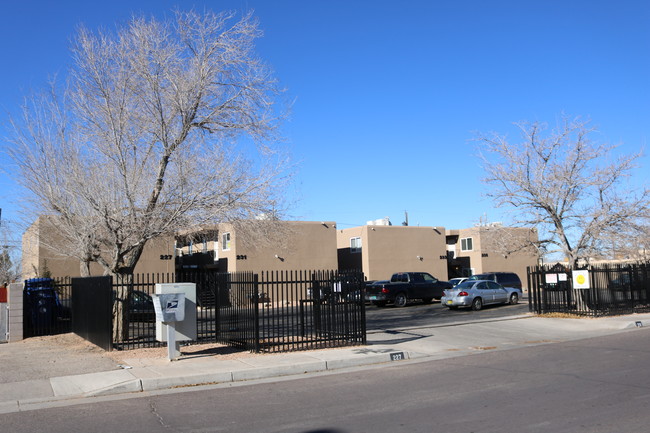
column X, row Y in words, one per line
column 613, row 289
column 92, row 301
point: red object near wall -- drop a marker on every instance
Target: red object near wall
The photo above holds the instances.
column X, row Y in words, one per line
column 3, row 294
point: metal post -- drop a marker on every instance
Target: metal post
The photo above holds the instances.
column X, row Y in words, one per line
column 256, row 311
column 173, row 346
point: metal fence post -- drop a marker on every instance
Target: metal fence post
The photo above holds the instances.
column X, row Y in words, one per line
column 256, row 309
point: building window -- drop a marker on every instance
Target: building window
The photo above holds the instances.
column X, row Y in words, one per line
column 466, row 244
column 355, row 245
column 225, row 241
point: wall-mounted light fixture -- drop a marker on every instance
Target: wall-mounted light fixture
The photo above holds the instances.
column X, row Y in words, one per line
column 279, row 258
column 420, row 258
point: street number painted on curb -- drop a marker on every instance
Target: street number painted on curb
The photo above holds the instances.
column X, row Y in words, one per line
column 397, row 356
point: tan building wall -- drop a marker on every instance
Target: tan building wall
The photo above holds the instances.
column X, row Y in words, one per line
column 298, row 245
column 39, row 254
column 489, row 246
column 389, row 249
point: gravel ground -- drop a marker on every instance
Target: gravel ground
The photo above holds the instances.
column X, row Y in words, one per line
column 68, row 354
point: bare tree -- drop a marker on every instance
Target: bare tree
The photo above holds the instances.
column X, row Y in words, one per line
column 632, row 243
column 506, row 241
column 568, row 186
column 9, row 263
column 146, row 138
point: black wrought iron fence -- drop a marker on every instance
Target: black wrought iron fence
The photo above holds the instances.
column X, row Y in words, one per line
column 270, row 311
column 611, row 289
column 47, row 306
column 308, row 310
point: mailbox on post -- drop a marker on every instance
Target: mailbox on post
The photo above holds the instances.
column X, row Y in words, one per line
column 175, row 306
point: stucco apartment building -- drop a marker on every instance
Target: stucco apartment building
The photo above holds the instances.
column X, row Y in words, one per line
column 491, row 248
column 380, row 250
column 291, row 246
column 40, row 254
column 283, row 246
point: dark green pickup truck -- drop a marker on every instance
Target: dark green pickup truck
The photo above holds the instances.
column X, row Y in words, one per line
column 404, row 286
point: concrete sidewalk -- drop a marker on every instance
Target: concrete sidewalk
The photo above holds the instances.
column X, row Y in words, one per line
column 421, row 343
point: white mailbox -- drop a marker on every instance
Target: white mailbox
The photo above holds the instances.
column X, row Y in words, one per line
column 184, row 328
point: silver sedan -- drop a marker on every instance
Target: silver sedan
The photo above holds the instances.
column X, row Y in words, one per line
column 476, row 293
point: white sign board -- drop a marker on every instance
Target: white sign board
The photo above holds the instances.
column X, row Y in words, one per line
column 551, row 278
column 581, row 279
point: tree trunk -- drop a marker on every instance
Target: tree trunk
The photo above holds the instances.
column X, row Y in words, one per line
column 122, row 284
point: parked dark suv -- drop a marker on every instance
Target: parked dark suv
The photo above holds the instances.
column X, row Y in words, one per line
column 506, row 279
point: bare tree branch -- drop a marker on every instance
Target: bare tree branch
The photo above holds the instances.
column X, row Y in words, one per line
column 564, row 184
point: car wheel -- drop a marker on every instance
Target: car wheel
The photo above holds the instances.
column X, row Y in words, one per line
column 427, row 300
column 379, row 303
column 400, row 300
column 477, row 304
column 514, row 298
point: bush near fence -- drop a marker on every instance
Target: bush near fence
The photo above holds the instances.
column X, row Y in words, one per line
column 614, row 289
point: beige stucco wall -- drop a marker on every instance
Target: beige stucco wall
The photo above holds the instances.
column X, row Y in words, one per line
column 389, row 249
column 301, row 245
column 39, row 252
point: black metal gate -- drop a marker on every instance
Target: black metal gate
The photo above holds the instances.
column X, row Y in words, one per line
column 92, row 306
column 612, row 289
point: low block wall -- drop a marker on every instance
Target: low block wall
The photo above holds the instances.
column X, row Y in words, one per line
column 15, row 302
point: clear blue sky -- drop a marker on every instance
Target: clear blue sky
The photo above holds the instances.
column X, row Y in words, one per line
column 388, row 94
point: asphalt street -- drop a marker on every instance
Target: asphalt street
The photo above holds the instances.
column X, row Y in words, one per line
column 593, row 385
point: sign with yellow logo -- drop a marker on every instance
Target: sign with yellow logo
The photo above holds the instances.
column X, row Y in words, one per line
column 580, row 279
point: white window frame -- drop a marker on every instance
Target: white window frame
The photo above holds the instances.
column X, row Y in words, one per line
column 355, row 245
column 463, row 244
column 225, row 241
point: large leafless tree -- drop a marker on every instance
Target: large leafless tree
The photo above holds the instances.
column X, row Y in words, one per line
column 574, row 190
column 160, row 126
column 9, row 263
